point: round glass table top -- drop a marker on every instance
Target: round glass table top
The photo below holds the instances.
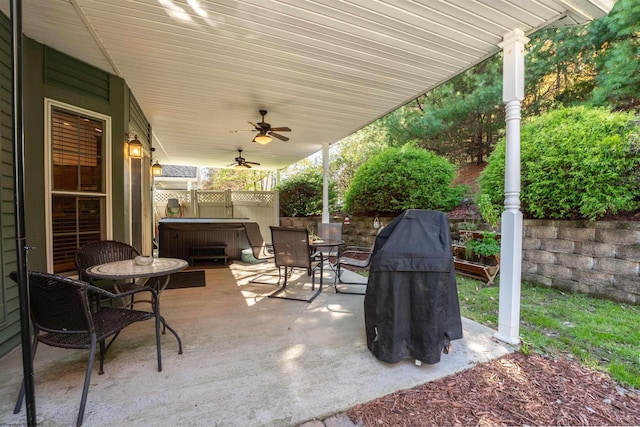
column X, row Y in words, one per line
column 326, row 242
column 129, row 268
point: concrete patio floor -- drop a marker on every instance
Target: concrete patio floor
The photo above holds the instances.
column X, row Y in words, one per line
column 248, row 360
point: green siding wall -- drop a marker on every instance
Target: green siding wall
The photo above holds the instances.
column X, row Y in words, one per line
column 51, row 74
column 138, row 123
column 69, row 73
column 9, row 302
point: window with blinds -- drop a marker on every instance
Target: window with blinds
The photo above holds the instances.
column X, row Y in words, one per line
column 78, row 190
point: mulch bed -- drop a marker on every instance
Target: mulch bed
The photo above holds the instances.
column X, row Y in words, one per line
column 514, row 390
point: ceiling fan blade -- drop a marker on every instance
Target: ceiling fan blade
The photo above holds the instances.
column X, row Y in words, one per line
column 256, row 125
column 232, row 164
column 242, row 130
column 282, row 129
column 252, row 163
column 280, row 137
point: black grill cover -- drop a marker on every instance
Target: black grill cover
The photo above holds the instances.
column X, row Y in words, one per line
column 411, row 304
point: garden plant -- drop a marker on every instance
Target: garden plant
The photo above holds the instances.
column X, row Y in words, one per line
column 577, row 163
column 403, row 178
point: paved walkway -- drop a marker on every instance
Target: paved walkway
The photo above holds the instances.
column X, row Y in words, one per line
column 248, row 360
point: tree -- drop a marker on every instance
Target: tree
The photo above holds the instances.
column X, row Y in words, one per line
column 461, row 119
column 301, row 193
column 230, row 179
column 403, row 178
column 617, row 36
column 559, row 69
column 355, row 150
column 598, row 63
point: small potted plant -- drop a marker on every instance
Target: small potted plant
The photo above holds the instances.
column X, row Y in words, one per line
column 483, row 246
column 485, row 249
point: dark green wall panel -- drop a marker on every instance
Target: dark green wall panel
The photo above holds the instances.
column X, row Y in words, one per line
column 138, row 122
column 49, row 74
column 65, row 71
column 9, row 302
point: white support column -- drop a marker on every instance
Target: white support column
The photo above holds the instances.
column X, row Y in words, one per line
column 511, row 241
column 325, row 182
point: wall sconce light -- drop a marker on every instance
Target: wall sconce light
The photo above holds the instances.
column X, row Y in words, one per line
column 135, row 147
column 262, row 139
column 156, row 169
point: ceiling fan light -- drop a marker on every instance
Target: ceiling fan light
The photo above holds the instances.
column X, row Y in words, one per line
column 262, row 139
column 239, row 167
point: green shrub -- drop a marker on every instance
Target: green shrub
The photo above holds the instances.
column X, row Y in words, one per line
column 490, row 212
column 403, row 178
column 487, row 246
column 301, row 194
column 577, row 163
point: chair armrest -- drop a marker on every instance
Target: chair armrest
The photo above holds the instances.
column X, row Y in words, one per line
column 265, row 250
column 355, row 252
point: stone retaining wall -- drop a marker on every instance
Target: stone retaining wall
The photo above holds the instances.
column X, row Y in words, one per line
column 600, row 258
column 359, row 231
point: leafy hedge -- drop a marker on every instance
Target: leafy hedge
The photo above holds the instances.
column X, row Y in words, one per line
column 301, row 194
column 577, row 163
column 403, row 178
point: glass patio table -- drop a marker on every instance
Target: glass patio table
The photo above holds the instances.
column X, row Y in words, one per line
column 326, row 243
column 129, row 269
column 329, row 245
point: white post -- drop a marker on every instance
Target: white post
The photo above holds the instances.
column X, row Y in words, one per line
column 511, row 240
column 325, row 182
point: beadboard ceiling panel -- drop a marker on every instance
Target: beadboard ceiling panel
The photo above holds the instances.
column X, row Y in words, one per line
column 325, row 68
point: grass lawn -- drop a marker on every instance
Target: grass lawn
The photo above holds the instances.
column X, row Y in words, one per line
column 602, row 334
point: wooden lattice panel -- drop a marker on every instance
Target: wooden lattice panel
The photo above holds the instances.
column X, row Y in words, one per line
column 211, row 197
column 163, row 196
column 253, row 197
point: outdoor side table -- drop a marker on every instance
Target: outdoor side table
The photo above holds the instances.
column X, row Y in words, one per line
column 128, row 269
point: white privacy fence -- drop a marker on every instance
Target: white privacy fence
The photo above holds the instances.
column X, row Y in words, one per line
column 258, row 206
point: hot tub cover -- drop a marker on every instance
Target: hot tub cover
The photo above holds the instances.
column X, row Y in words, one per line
column 411, row 304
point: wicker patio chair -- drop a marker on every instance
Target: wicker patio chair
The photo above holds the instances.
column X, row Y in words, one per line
column 292, row 250
column 102, row 251
column 62, row 317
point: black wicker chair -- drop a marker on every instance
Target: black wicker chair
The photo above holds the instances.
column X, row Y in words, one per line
column 292, row 250
column 99, row 252
column 102, row 251
column 62, row 317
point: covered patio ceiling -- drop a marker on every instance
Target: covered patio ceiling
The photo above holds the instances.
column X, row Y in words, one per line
column 325, row 68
